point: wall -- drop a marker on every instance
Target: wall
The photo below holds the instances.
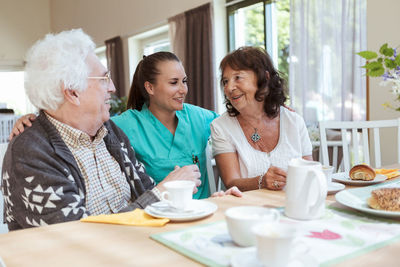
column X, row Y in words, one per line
column 22, row 22
column 104, row 19
column 382, row 26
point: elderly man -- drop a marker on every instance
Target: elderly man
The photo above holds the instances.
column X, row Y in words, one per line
column 73, row 161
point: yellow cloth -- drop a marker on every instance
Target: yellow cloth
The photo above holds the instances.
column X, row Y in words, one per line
column 137, row 217
column 390, row 173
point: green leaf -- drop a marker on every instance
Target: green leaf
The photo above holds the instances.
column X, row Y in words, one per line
column 383, row 47
column 390, row 63
column 367, row 54
column 376, row 73
column 375, row 69
column 389, row 52
column 373, row 65
column 397, row 60
column 380, row 60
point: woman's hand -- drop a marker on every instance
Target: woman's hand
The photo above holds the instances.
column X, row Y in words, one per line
column 275, row 178
column 189, row 172
column 234, row 191
column 20, row 124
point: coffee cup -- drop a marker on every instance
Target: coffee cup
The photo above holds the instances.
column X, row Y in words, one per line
column 275, row 243
column 240, row 221
column 328, row 171
column 179, row 194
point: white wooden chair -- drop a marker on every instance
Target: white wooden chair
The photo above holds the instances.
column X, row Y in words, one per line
column 335, row 145
column 7, row 122
column 214, row 180
column 3, row 227
column 358, row 128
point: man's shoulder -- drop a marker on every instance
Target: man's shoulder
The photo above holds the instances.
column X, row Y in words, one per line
column 115, row 133
column 31, row 135
column 31, row 144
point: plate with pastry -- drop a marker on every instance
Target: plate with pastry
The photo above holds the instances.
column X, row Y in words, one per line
column 379, row 201
column 359, row 175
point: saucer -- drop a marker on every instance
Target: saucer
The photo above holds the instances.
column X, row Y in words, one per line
column 335, row 187
column 248, row 258
column 343, row 177
column 198, row 209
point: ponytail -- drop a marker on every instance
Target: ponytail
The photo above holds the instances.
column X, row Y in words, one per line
column 137, row 94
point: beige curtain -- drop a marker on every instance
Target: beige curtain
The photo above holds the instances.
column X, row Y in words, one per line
column 115, row 64
column 192, row 41
column 177, row 35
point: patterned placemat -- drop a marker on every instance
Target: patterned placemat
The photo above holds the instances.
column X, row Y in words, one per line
column 345, row 234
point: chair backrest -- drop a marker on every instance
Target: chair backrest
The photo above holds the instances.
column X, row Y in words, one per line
column 214, row 180
column 7, row 122
column 3, row 149
column 333, row 148
column 3, row 227
column 356, row 128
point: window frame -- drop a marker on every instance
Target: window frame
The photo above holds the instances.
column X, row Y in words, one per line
column 231, row 8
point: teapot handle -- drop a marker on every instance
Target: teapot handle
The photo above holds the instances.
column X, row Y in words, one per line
column 322, row 186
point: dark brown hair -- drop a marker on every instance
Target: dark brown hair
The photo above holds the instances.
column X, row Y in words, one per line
column 271, row 91
column 146, row 70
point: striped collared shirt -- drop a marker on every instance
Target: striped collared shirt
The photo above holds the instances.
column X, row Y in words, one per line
column 107, row 189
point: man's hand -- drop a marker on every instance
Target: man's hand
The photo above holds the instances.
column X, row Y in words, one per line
column 20, row 124
column 189, row 172
column 234, row 191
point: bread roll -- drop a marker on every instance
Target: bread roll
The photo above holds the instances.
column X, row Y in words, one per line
column 385, row 199
column 362, row 172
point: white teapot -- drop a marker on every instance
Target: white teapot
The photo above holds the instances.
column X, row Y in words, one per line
column 306, row 190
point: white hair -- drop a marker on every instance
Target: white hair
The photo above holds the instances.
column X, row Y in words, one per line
column 58, row 61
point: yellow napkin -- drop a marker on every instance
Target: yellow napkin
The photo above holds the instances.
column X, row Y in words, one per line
column 390, row 173
column 137, row 217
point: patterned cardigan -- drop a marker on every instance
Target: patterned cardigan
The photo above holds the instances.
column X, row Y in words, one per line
column 42, row 183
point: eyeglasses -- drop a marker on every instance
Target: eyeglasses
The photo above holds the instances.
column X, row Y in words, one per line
column 106, row 78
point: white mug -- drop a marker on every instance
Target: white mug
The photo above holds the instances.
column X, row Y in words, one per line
column 276, row 243
column 306, row 190
column 328, row 171
column 241, row 219
column 179, row 193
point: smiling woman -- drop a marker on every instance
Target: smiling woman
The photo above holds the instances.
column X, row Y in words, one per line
column 257, row 136
column 164, row 131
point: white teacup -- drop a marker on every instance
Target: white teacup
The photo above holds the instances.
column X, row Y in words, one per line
column 179, row 193
column 328, row 171
column 241, row 219
column 275, row 243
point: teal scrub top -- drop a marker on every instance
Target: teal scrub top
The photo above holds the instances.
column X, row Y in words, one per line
column 160, row 151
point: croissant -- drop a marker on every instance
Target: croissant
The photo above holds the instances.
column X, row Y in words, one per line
column 385, row 199
column 362, row 172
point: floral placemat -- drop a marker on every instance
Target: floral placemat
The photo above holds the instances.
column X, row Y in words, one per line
column 345, row 234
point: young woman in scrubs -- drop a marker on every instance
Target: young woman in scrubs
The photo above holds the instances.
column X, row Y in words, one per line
column 164, row 131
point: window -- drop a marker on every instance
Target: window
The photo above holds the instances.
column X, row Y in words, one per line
column 101, row 54
column 12, row 93
column 261, row 23
column 147, row 43
column 156, row 46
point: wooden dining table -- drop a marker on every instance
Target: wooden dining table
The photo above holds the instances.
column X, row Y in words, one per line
column 96, row 244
